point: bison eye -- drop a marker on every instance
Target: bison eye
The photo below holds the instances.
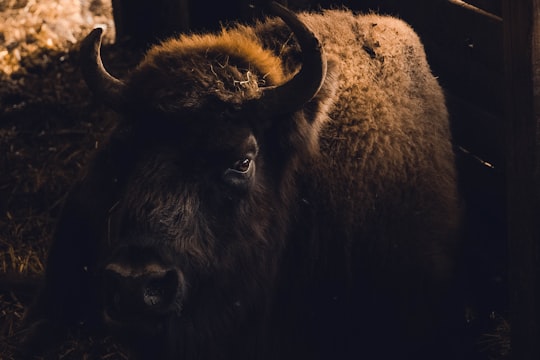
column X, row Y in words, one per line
column 240, row 173
column 242, row 165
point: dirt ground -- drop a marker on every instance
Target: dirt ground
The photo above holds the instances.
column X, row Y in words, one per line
column 49, row 127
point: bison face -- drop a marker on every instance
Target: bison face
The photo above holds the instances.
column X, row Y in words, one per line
column 191, row 214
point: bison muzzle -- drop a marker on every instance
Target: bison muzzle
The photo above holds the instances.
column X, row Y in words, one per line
column 140, row 287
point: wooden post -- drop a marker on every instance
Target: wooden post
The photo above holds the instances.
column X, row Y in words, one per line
column 522, row 84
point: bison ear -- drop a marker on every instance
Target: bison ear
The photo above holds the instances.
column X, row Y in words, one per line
column 316, row 110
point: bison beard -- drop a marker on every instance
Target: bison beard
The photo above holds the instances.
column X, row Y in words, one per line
column 278, row 191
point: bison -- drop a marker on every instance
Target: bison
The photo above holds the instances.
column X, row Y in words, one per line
column 279, row 190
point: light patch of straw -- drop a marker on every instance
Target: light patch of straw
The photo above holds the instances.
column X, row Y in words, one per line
column 47, row 25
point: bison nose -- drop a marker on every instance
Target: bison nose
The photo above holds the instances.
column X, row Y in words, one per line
column 132, row 294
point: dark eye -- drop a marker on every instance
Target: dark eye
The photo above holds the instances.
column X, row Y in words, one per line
column 240, row 174
column 242, row 165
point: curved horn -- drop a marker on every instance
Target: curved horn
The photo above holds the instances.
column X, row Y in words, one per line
column 100, row 82
column 308, row 81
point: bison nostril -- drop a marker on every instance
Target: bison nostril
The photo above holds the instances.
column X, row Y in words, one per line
column 161, row 291
column 114, row 306
column 153, row 295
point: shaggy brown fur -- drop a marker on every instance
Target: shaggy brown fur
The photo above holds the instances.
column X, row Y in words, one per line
column 335, row 239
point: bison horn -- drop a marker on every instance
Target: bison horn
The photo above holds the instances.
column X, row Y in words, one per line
column 102, row 84
column 308, row 81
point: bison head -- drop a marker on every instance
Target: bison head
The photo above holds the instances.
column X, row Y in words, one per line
column 165, row 58
column 213, row 129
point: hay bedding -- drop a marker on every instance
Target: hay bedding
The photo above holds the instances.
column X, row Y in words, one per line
column 49, row 125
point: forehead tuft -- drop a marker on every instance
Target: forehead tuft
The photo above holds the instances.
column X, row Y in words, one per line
column 192, row 70
column 239, row 43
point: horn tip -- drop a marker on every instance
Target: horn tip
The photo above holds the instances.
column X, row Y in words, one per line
column 96, row 32
column 92, row 39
